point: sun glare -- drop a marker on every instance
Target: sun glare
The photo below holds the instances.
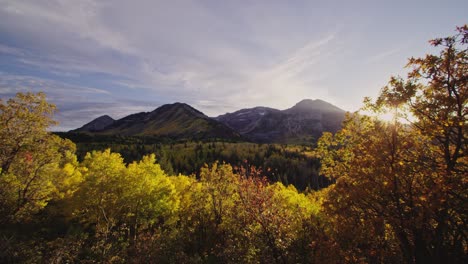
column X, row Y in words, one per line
column 387, row 117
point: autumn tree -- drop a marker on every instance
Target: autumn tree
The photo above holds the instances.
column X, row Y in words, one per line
column 118, row 202
column 435, row 94
column 375, row 195
column 401, row 188
column 212, row 202
column 30, row 156
column 271, row 219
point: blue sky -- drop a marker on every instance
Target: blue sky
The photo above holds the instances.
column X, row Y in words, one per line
column 120, row 57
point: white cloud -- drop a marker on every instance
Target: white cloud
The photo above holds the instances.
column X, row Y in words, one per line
column 20, row 83
column 383, row 55
column 10, row 50
column 184, row 47
column 76, row 104
column 217, row 55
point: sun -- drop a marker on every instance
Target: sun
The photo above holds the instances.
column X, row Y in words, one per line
column 387, row 117
column 390, row 116
column 400, row 116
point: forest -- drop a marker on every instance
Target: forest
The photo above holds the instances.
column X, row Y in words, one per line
column 374, row 192
column 288, row 164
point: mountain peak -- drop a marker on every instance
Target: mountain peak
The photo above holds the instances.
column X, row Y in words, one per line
column 105, row 117
column 175, row 121
column 97, row 124
column 316, row 105
column 178, row 107
column 310, row 101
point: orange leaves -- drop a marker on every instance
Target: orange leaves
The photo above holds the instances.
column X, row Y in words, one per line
column 412, row 177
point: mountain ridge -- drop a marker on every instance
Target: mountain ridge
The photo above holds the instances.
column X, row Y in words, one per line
column 303, row 122
column 176, row 121
column 96, row 124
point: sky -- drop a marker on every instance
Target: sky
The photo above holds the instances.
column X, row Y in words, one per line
column 119, row 57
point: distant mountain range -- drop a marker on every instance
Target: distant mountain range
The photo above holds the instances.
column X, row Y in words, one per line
column 304, row 122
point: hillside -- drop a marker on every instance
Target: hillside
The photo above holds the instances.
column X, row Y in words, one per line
column 176, row 121
column 304, row 122
column 97, row 124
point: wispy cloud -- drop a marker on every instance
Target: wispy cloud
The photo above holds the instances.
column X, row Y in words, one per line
column 7, row 50
column 18, row 83
column 92, row 55
column 383, row 55
column 76, row 104
column 298, row 73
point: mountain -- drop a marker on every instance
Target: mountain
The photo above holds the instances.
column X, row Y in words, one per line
column 96, row 125
column 176, row 121
column 304, row 122
column 327, row 116
column 313, row 106
column 245, row 120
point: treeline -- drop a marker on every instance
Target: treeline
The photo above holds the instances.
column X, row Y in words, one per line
column 279, row 163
